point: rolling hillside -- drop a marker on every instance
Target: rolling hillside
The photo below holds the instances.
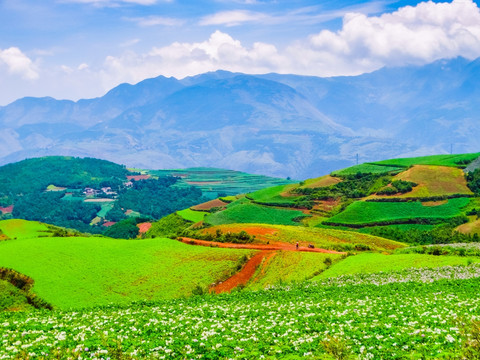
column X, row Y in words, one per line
column 331, row 267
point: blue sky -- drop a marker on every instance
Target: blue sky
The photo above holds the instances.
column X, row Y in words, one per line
column 82, row 48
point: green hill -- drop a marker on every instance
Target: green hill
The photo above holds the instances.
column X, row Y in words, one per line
column 365, row 262
column 85, row 193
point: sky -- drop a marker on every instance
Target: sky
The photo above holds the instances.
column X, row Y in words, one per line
column 72, row 49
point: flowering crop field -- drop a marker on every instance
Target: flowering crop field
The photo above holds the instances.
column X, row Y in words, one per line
column 418, row 319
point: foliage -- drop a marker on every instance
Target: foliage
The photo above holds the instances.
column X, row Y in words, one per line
column 125, row 229
column 170, row 226
column 157, row 197
column 353, row 186
column 48, row 207
column 80, row 271
column 229, row 237
column 35, row 175
column 445, row 234
column 473, row 181
column 370, row 212
column 397, row 186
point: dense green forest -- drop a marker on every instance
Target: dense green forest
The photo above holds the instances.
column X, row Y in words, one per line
column 157, row 197
column 24, row 185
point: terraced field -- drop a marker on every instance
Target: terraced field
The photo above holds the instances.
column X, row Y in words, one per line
column 243, row 211
column 369, row 212
column 331, row 239
column 433, row 181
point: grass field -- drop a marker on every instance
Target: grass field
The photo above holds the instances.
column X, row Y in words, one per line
column 368, row 212
column 367, row 168
column 192, row 215
column 288, row 266
column 322, row 181
column 368, row 263
column 242, row 211
column 79, row 272
column 440, row 160
column 23, row 229
column 274, row 195
column 433, row 181
column 331, row 239
column 106, row 207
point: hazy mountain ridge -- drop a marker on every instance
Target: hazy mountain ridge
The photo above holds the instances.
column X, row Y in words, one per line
column 283, row 125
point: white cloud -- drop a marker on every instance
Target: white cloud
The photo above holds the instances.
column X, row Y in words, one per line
column 411, row 35
column 156, row 21
column 18, row 63
column 220, row 51
column 233, row 18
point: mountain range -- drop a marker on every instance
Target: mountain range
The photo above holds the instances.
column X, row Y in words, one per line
column 274, row 124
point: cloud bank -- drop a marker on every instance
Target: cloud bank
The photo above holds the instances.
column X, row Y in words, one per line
column 411, row 35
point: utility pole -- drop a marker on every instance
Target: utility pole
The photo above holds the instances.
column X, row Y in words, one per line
column 357, row 158
column 451, row 149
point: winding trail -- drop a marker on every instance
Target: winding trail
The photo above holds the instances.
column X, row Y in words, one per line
column 267, row 251
column 244, row 275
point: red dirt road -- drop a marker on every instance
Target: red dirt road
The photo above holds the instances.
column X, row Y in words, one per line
column 248, row 270
column 244, row 275
column 273, row 247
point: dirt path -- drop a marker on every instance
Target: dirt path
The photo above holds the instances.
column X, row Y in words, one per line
column 244, row 275
column 272, row 247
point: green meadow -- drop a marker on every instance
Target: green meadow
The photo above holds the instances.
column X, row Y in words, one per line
column 242, row 211
column 370, row 212
column 370, row 263
column 80, row 272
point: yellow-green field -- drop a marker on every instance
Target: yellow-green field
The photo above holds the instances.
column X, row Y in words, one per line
column 321, row 238
column 79, row 272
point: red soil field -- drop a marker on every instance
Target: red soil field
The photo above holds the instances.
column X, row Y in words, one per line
column 244, row 275
column 109, row 223
column 144, row 227
column 209, row 205
column 271, row 247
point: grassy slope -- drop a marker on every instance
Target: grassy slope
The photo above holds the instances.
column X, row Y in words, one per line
column 321, row 238
column 289, row 266
column 441, row 160
column 192, row 215
column 374, row 263
column 21, row 229
column 78, row 272
column 362, row 212
column 242, row 211
column 433, row 181
column 12, row 298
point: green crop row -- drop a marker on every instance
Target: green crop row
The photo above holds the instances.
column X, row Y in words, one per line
column 243, row 211
column 363, row 212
